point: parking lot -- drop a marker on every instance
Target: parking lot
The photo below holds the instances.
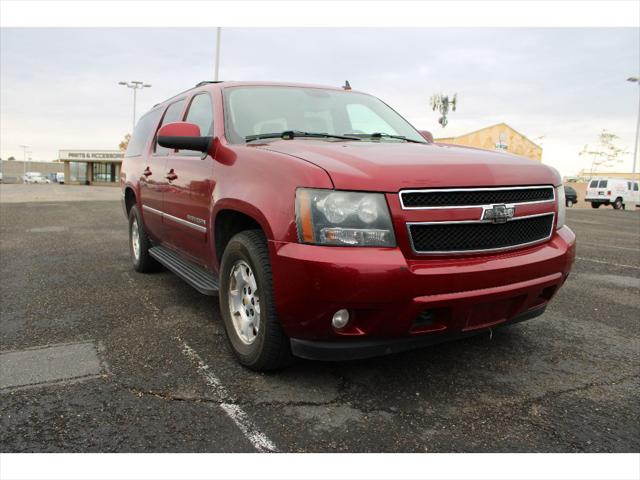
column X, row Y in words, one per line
column 97, row 357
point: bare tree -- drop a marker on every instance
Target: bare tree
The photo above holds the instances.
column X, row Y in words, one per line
column 605, row 153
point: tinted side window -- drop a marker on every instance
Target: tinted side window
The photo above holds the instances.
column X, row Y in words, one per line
column 171, row 115
column 635, row 187
column 141, row 134
column 602, row 184
column 593, row 184
column 628, row 185
column 201, row 113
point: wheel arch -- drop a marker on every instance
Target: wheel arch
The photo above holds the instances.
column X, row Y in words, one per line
column 130, row 198
column 232, row 217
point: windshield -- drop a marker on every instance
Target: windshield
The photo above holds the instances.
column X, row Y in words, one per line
column 254, row 111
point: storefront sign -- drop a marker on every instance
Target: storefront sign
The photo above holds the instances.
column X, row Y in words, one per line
column 91, row 155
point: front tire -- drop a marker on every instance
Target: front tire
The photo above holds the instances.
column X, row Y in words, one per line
column 139, row 244
column 247, row 304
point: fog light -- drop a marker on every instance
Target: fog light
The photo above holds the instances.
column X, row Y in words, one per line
column 340, row 318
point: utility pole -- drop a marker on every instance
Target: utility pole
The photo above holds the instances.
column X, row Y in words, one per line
column 135, row 85
column 635, row 149
column 217, row 68
column 24, row 162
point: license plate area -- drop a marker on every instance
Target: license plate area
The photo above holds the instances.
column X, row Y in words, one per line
column 488, row 314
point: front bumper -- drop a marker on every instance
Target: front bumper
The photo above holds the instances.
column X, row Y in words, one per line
column 390, row 296
column 366, row 348
column 604, row 201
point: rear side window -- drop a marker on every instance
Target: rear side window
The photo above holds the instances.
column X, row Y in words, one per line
column 635, row 187
column 628, row 185
column 142, row 132
column 593, row 184
column 171, row 115
column 602, row 184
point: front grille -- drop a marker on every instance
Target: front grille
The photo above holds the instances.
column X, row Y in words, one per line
column 462, row 197
column 442, row 237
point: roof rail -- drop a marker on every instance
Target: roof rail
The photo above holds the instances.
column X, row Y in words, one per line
column 206, row 82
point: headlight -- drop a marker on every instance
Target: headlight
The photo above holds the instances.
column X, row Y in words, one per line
column 562, row 206
column 331, row 217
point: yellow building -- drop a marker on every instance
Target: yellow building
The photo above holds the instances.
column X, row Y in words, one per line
column 498, row 137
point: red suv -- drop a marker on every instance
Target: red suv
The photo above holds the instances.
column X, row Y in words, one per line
column 331, row 228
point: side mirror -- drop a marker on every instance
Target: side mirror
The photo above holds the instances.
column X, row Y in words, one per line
column 183, row 136
column 426, row 135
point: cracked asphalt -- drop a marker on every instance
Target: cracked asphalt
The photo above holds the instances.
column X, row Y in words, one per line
column 565, row 382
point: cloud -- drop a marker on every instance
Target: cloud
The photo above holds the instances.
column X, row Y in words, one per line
column 58, row 86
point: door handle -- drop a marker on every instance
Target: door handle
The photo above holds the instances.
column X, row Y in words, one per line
column 171, row 175
column 146, row 172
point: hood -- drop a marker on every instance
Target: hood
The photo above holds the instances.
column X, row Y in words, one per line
column 389, row 167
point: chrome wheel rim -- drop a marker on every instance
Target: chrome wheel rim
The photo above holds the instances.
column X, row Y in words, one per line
column 244, row 302
column 135, row 239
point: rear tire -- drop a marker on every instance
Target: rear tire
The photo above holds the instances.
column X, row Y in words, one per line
column 139, row 244
column 617, row 205
column 595, row 205
column 256, row 337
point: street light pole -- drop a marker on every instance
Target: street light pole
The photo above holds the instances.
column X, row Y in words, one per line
column 24, row 162
column 635, row 149
column 217, row 69
column 135, row 85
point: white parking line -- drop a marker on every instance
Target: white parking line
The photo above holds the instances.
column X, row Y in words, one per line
column 611, row 246
column 607, row 263
column 258, row 439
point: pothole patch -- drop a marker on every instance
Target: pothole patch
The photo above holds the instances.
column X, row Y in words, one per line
column 50, row 364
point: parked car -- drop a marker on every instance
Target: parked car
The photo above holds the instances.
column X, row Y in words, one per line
column 330, row 228
column 35, row 177
column 612, row 191
column 571, row 196
column 60, row 177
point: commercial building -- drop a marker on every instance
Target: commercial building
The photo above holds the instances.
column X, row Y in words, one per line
column 498, row 137
column 91, row 167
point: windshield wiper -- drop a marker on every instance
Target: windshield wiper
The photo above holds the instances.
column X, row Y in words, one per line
column 379, row 135
column 290, row 134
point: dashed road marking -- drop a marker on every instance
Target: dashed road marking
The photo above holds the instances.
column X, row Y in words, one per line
column 52, row 229
column 610, row 246
column 607, row 263
column 258, row 439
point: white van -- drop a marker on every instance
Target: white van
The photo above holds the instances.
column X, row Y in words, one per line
column 618, row 192
column 35, row 177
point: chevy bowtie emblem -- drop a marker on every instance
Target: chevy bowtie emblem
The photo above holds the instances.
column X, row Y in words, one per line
column 498, row 213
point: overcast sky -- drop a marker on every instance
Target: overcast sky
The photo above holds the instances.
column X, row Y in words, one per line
column 59, row 87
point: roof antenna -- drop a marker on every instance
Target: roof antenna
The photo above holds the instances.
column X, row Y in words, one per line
column 346, row 85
